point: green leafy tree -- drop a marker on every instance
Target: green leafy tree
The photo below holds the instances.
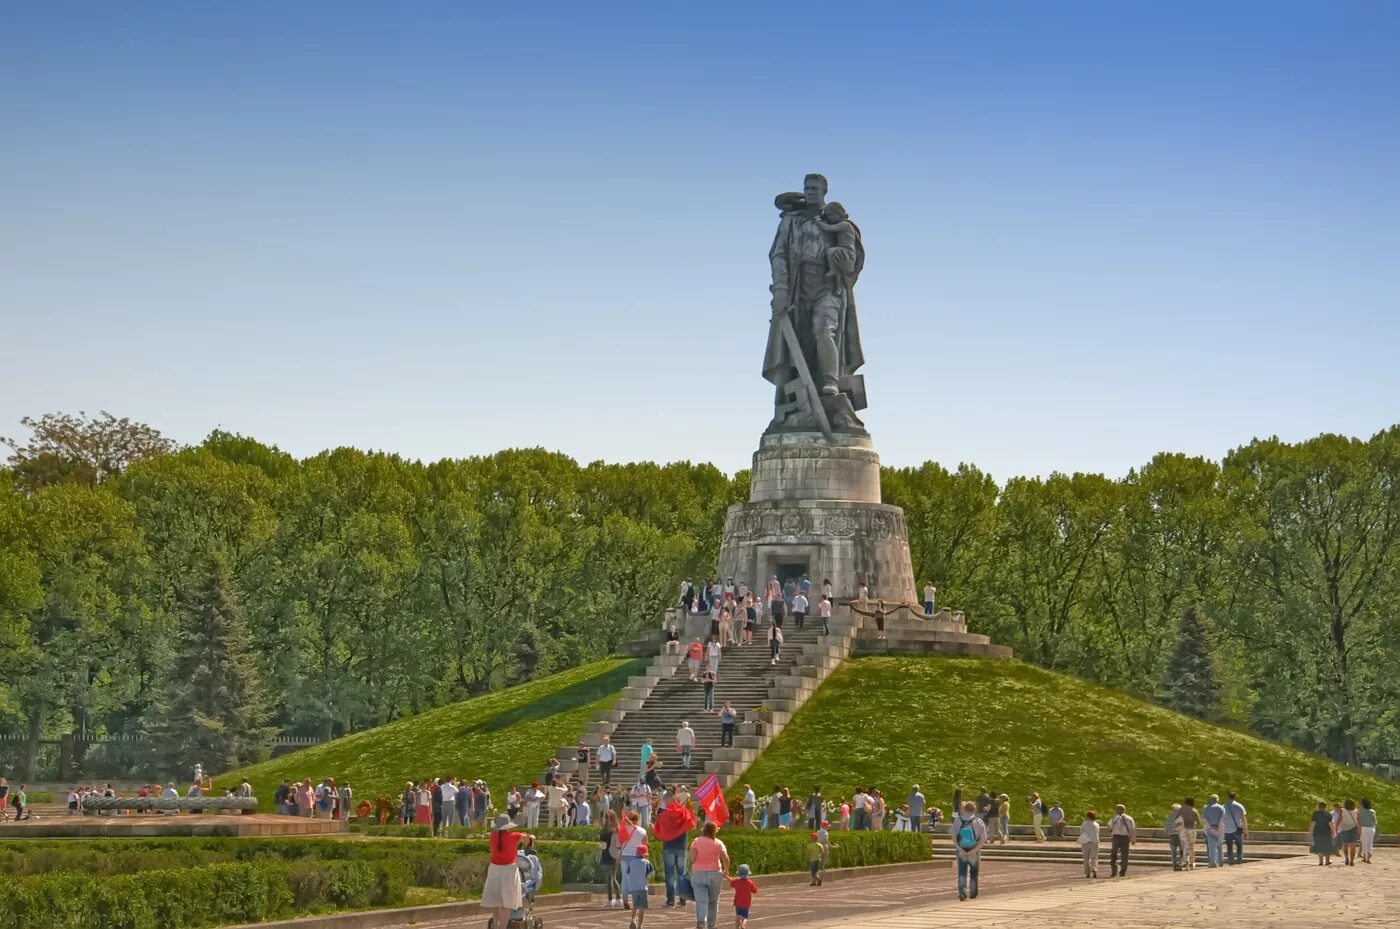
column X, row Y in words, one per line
column 213, row 711
column 74, row 660
column 1321, row 561
column 1189, row 683
column 1167, row 548
column 1045, row 553
column 81, row 449
column 951, row 517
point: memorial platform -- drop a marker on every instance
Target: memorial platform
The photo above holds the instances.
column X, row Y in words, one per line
column 169, row 826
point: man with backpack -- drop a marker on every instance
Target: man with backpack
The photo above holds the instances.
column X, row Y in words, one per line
column 969, row 833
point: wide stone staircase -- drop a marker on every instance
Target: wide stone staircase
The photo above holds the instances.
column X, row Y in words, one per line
column 765, row 696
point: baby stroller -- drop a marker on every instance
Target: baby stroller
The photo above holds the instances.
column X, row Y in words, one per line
column 531, row 874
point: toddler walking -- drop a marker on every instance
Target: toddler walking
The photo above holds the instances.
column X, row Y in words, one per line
column 744, row 888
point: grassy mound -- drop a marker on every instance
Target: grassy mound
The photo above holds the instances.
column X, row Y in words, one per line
column 949, row 722
column 504, row 737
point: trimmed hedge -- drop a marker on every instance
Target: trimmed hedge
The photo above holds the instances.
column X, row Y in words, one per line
column 209, row 895
column 458, row 867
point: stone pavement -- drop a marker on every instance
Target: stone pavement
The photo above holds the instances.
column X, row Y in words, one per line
column 795, row 904
column 1284, row 894
column 1280, row 894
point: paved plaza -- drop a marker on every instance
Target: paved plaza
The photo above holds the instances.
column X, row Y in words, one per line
column 1280, row 894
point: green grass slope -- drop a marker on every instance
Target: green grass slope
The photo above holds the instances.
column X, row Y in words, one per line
column 949, row 722
column 504, row 737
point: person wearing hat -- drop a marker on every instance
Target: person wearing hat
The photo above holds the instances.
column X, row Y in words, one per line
column 636, row 871
column 815, row 854
column 502, row 891
column 744, row 888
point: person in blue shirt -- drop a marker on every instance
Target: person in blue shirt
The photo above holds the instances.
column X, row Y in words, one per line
column 1236, row 828
column 1213, row 815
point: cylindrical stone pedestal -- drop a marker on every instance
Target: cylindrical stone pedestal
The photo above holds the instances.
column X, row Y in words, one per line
column 814, row 508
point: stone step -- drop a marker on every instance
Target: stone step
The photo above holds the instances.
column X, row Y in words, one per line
column 961, row 649
column 926, row 635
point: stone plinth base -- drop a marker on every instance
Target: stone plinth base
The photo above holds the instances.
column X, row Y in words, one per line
column 815, row 507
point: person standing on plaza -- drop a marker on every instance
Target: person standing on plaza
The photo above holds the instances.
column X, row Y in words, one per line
column 1349, row 832
column 641, row 801
column 636, row 871
column 1369, row 824
column 1004, row 817
column 1236, row 830
column 799, row 609
column 744, row 888
column 1172, row 827
column 447, row 790
column 609, row 858
column 672, row 824
column 1322, row 843
column 815, row 808
column 1122, row 833
column 707, row 862
column 502, row 891
column 929, row 593
column 1187, row 822
column 556, row 799
column 465, row 796
column 533, row 798
column 969, row 833
column 1089, row 843
column 1038, row 811
column 916, row 802
column 422, row 813
column 727, row 719
column 481, row 803
column 1213, row 824
column 750, row 805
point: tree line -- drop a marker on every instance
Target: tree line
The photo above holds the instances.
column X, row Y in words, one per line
column 141, row 582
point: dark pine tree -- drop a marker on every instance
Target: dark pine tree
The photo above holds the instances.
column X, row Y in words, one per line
column 1190, row 684
column 212, row 711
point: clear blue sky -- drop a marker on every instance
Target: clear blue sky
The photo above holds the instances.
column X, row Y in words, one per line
column 1095, row 230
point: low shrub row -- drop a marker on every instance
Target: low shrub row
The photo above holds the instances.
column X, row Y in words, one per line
column 207, row 895
column 458, row 867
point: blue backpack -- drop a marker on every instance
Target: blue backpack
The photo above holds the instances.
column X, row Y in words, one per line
column 967, row 836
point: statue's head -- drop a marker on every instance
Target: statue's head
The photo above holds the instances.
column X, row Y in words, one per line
column 814, row 189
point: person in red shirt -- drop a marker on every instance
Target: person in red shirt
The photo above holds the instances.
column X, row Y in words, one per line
column 502, row 891
column 744, row 888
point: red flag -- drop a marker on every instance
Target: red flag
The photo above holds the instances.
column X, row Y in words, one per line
column 711, row 799
column 673, row 822
column 624, row 830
